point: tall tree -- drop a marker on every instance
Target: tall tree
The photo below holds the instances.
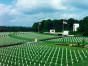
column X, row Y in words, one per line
column 84, row 26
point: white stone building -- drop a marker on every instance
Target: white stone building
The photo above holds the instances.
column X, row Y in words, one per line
column 75, row 26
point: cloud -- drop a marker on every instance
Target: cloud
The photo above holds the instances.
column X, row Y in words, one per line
column 4, row 9
column 4, row 14
column 76, row 5
column 45, row 6
column 26, row 12
column 34, row 6
column 58, row 5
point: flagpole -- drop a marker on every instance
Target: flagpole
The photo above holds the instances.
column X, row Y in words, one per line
column 62, row 28
column 64, row 22
column 38, row 27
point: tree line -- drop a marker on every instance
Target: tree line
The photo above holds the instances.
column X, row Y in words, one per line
column 48, row 24
column 14, row 29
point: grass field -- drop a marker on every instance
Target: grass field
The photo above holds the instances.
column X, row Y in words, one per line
column 33, row 35
column 41, row 54
column 9, row 38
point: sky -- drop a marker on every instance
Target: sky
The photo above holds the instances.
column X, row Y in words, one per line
column 27, row 12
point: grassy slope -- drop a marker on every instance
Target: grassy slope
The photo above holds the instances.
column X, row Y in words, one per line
column 37, row 47
column 31, row 39
column 17, row 37
column 7, row 40
column 81, row 63
column 11, row 38
column 51, row 44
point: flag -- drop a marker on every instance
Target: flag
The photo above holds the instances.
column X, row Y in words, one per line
column 39, row 23
column 64, row 22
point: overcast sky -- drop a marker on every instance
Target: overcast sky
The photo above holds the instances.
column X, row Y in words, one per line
column 26, row 12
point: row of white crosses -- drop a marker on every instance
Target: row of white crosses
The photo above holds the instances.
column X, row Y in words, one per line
column 62, row 57
column 84, row 54
column 36, row 56
column 16, row 53
column 79, row 39
column 4, row 34
column 57, row 55
column 71, row 57
column 54, row 55
column 41, row 53
column 39, row 56
column 75, row 55
column 71, row 39
column 32, row 54
column 66, row 57
column 80, row 55
column 50, row 54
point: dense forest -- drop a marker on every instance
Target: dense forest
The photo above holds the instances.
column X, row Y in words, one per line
column 56, row 24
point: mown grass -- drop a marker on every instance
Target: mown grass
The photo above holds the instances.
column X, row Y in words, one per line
column 10, row 38
column 44, row 53
column 21, row 38
column 33, row 35
column 39, row 53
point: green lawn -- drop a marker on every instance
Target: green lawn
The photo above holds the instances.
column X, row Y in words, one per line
column 9, row 38
column 42, row 54
column 5, row 39
column 33, row 35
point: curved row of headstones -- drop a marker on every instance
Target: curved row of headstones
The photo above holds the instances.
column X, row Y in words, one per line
column 4, row 34
column 71, row 40
column 40, row 55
